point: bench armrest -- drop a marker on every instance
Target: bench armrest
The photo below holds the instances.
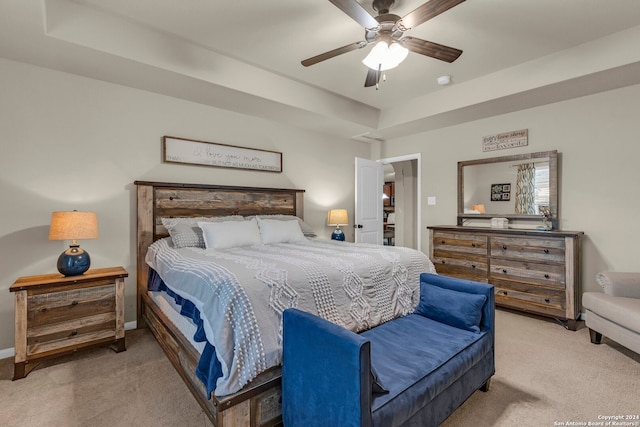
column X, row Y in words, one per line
column 619, row 284
column 326, row 373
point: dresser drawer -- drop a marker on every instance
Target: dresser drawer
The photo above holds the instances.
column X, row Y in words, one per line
column 463, row 243
column 549, row 275
column 56, row 307
column 531, row 249
column 458, row 265
column 530, row 298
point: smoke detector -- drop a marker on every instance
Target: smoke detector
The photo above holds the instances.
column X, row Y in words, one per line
column 444, row 80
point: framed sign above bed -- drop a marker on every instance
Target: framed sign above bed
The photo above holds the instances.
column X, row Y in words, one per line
column 181, row 150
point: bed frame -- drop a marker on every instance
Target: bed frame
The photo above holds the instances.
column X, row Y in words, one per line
column 259, row 403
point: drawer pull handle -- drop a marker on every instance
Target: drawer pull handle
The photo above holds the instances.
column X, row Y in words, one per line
column 74, row 303
column 170, row 197
column 74, row 333
column 546, row 276
column 546, row 251
column 504, row 247
column 444, row 262
column 505, row 292
column 546, row 300
column 442, row 242
column 473, row 266
column 504, row 271
column 473, row 245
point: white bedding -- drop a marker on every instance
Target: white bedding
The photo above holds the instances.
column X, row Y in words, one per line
column 241, row 293
column 168, row 306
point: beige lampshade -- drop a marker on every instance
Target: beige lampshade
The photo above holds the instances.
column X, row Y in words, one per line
column 338, row 217
column 73, row 225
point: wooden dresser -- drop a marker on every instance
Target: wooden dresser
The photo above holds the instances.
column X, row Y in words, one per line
column 533, row 271
column 56, row 315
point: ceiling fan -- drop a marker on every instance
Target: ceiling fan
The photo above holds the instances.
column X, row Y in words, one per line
column 387, row 31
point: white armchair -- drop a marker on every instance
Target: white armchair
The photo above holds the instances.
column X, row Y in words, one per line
column 616, row 312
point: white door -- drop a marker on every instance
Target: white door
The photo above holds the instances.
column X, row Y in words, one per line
column 368, row 216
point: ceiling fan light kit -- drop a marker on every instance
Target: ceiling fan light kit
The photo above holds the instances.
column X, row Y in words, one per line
column 384, row 57
column 387, row 32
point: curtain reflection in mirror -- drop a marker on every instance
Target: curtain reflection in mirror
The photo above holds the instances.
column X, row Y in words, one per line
column 525, row 189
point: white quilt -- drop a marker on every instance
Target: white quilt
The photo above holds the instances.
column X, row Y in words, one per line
column 242, row 292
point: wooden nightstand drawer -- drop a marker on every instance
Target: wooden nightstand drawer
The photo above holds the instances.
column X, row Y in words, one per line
column 70, row 333
column 56, row 314
column 48, row 308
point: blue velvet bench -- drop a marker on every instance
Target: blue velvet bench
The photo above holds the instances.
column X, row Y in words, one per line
column 411, row 371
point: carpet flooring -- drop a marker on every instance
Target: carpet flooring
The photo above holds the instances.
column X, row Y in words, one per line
column 545, row 376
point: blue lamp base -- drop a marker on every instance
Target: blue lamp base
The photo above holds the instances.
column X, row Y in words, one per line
column 337, row 235
column 74, row 261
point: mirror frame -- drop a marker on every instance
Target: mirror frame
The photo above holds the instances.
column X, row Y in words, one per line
column 553, row 187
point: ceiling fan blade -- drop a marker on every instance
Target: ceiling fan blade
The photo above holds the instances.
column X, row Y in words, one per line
column 332, row 53
column 429, row 10
column 373, row 76
column 356, row 12
column 434, row 50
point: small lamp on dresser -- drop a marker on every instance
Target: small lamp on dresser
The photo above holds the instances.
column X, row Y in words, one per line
column 73, row 226
column 337, row 217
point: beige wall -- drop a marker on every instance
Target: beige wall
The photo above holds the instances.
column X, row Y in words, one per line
column 598, row 139
column 70, row 142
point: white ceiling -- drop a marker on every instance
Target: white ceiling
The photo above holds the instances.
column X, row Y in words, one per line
column 244, row 55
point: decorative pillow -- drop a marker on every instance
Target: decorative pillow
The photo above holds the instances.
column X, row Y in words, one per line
column 186, row 236
column 307, row 230
column 276, row 231
column 184, row 231
column 458, row 309
column 230, row 234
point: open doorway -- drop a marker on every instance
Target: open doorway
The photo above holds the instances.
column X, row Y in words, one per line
column 402, row 209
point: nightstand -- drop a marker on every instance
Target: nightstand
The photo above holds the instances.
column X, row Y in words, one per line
column 57, row 315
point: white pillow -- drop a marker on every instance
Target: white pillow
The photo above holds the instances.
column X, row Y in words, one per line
column 307, row 230
column 230, row 234
column 184, row 231
column 170, row 222
column 278, row 231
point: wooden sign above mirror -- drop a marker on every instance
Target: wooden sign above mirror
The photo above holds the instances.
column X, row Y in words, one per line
column 519, row 187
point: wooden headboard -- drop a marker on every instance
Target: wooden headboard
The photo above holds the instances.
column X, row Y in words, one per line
column 162, row 199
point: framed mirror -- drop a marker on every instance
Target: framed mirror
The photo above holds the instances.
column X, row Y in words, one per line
column 520, row 188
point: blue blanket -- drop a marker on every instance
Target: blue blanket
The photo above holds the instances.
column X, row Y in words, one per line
column 208, row 370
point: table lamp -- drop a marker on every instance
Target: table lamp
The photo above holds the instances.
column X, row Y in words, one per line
column 72, row 226
column 337, row 217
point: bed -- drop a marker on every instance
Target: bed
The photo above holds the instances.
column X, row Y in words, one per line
column 246, row 390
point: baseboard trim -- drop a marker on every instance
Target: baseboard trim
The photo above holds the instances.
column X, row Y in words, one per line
column 10, row 352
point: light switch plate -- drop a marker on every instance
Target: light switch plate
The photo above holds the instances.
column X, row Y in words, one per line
column 431, row 200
